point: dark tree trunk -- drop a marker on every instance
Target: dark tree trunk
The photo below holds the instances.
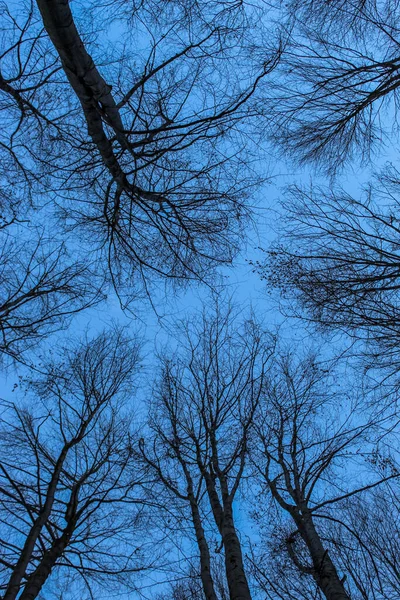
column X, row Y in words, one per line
column 38, row 578
column 91, row 89
column 235, row 574
column 26, row 553
column 205, row 561
column 237, row 580
column 324, row 571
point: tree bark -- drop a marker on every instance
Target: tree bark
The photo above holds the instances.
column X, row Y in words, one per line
column 38, row 578
column 91, row 89
column 26, row 553
column 223, row 516
column 237, row 580
column 205, row 561
column 324, row 571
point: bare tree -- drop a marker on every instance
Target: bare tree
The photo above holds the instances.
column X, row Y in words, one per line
column 201, row 422
column 338, row 263
column 337, row 92
column 40, row 290
column 310, row 427
column 366, row 533
column 188, row 587
column 187, row 590
column 147, row 153
column 67, row 482
column 272, row 568
column 31, row 111
column 41, row 284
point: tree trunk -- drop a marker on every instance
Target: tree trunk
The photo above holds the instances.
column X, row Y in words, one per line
column 38, row 578
column 91, row 89
column 19, row 571
column 324, row 571
column 205, row 561
column 237, row 580
column 223, row 516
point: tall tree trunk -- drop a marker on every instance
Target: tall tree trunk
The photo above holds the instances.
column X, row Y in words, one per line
column 324, row 571
column 19, row 571
column 93, row 92
column 205, row 561
column 236, row 576
column 223, row 516
column 39, row 577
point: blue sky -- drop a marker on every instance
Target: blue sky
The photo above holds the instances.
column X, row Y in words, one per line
column 244, row 285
